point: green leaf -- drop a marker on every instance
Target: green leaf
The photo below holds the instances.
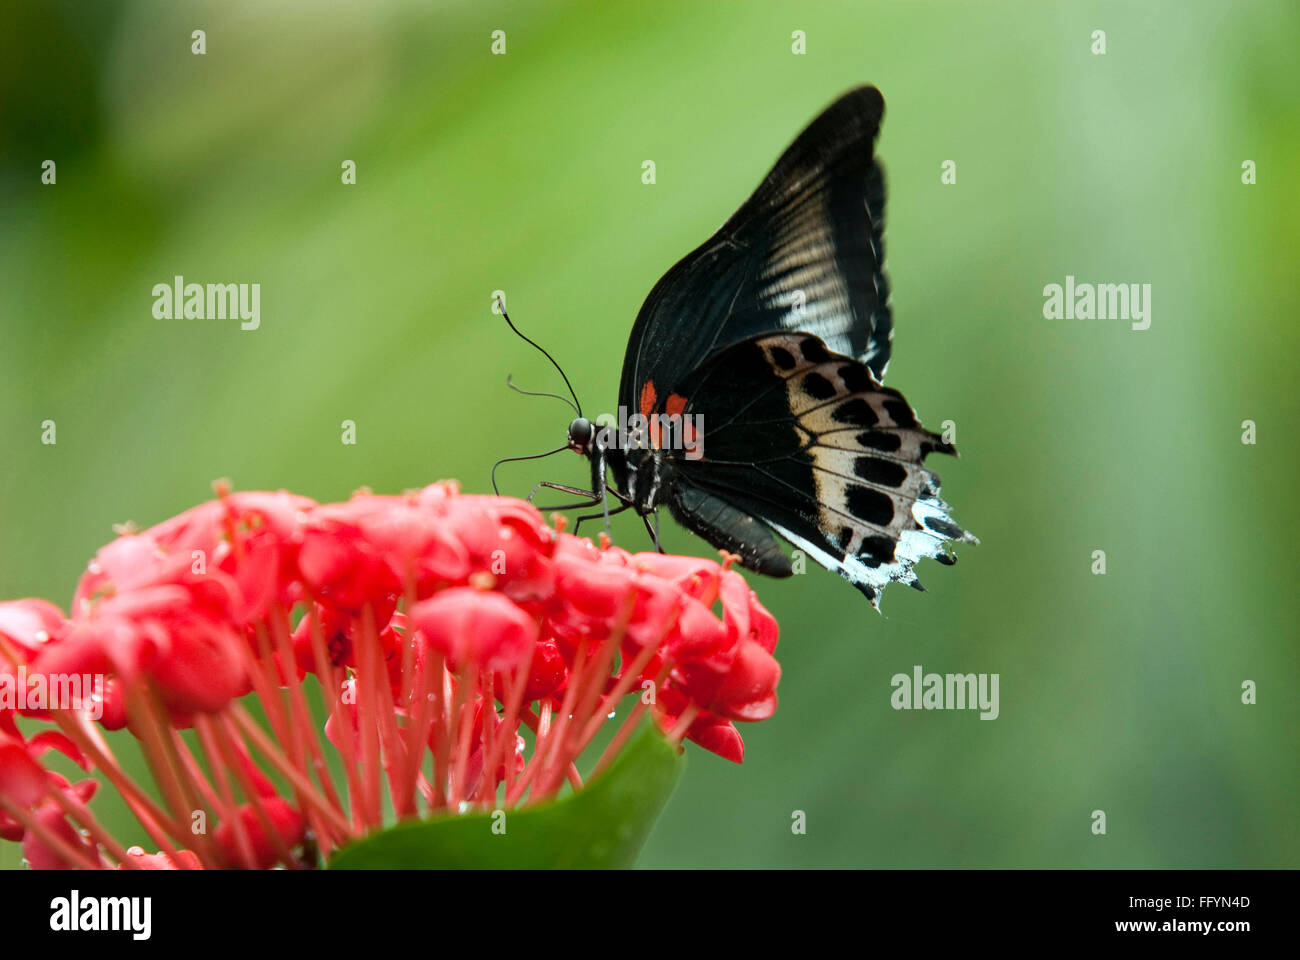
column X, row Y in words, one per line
column 603, row 825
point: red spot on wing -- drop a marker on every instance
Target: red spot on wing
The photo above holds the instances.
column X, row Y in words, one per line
column 648, row 398
column 675, row 404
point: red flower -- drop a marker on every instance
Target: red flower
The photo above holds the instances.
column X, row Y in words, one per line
column 477, row 628
column 44, row 845
column 176, row 634
column 713, row 733
column 267, row 828
column 340, row 567
column 427, row 622
column 22, row 778
column 185, row 860
column 27, row 626
column 547, row 675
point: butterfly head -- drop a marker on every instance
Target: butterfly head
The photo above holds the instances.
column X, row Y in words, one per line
column 581, row 435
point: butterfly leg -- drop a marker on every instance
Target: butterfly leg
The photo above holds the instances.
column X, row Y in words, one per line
column 651, row 521
column 596, row 516
column 591, row 498
column 607, row 489
column 604, row 488
column 563, row 488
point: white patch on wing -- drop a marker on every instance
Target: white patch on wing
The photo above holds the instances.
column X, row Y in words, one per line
column 802, row 261
column 912, row 547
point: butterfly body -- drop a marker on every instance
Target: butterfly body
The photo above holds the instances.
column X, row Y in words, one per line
column 752, row 403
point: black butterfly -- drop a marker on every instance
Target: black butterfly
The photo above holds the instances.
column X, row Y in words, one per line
column 757, row 364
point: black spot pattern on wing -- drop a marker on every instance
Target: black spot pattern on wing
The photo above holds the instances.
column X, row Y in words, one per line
column 887, row 473
column 856, row 378
column 818, row 387
column 855, row 412
column 821, row 453
column 783, row 359
column 879, row 549
column 870, row 505
column 881, row 442
column 900, row 412
column 814, row 351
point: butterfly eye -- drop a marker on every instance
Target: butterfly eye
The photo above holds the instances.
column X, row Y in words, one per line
column 580, row 434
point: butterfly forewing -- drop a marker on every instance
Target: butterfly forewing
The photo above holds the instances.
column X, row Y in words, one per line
column 805, row 252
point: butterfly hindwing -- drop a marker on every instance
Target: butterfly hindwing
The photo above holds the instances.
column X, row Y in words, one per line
column 811, row 444
column 729, row 528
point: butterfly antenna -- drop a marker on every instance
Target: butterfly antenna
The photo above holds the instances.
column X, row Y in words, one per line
column 536, row 456
column 576, row 404
column 529, row 393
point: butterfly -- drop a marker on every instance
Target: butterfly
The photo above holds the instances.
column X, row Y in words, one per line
column 752, row 400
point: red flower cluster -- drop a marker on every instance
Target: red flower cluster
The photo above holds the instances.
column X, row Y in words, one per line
column 436, row 626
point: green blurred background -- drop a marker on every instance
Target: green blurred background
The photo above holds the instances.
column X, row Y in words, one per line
column 523, row 173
